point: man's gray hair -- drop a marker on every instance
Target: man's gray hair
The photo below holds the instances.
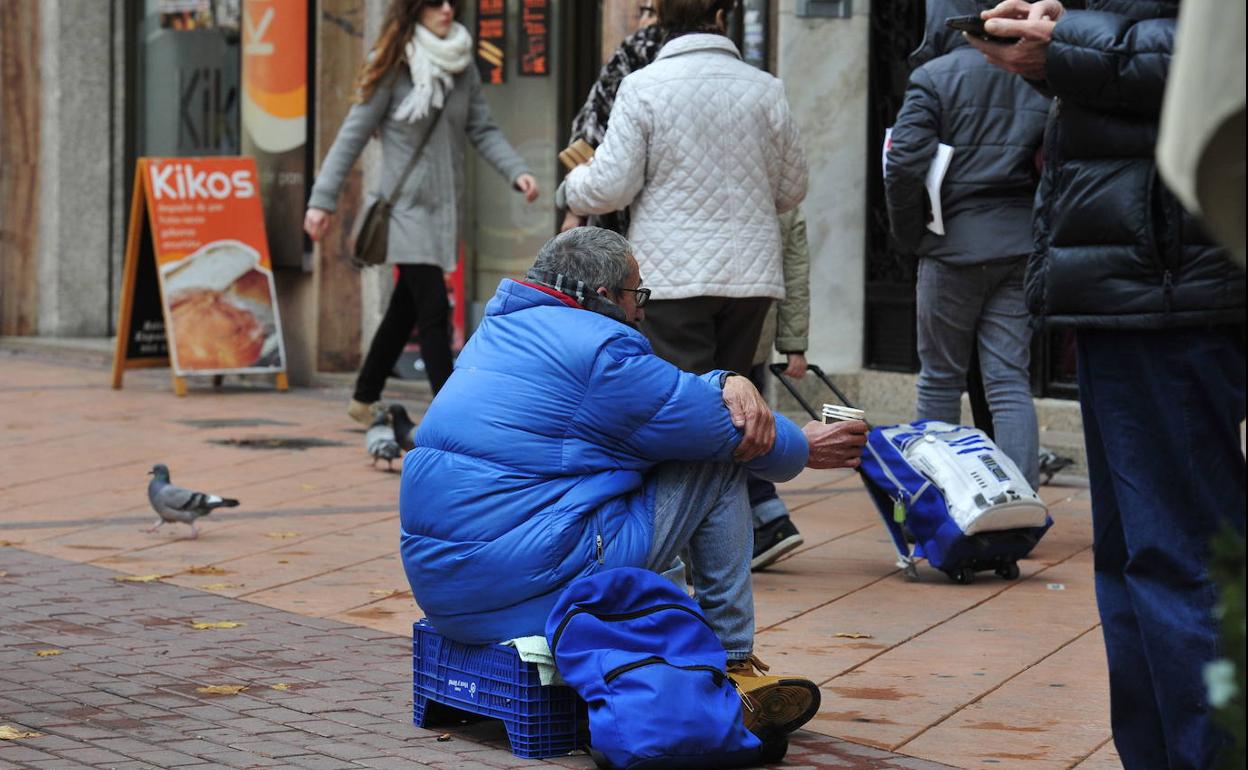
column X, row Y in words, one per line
column 595, row 256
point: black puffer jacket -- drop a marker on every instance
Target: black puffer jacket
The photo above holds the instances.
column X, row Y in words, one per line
column 993, row 120
column 1114, row 249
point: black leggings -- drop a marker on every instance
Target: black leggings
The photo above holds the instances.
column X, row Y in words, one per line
column 419, row 299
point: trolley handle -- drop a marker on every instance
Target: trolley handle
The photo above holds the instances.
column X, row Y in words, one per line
column 778, row 371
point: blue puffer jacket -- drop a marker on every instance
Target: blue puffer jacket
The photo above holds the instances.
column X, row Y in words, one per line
column 537, row 450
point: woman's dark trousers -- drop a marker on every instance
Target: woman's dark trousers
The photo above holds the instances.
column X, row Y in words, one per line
column 419, row 299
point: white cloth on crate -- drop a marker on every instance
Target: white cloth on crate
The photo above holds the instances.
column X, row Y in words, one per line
column 703, row 150
column 433, row 62
column 536, row 650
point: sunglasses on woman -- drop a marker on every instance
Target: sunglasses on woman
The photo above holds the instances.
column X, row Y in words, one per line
column 437, row 3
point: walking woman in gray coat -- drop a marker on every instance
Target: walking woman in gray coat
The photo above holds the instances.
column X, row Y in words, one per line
column 419, row 79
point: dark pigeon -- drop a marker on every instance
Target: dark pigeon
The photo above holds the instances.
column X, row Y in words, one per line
column 404, row 428
column 173, row 503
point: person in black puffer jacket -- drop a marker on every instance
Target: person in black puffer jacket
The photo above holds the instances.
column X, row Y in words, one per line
column 970, row 283
column 1160, row 317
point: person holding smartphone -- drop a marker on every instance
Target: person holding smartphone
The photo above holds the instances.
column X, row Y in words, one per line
column 420, row 92
column 970, row 279
column 1158, row 311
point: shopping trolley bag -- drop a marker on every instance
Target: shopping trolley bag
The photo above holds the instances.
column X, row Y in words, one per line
column 948, row 488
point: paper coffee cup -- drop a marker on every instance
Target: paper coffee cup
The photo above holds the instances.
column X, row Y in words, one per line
column 837, row 413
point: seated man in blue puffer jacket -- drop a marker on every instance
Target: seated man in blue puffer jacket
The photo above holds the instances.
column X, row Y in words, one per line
column 562, row 446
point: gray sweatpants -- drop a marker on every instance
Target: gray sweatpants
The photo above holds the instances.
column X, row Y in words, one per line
column 961, row 306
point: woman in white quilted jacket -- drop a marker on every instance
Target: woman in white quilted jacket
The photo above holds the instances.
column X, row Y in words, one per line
column 703, row 151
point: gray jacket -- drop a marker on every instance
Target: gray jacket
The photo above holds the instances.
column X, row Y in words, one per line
column 995, row 123
column 424, row 227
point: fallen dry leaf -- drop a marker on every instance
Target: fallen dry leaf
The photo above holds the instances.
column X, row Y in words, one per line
column 853, row 635
column 4, row 543
column 283, row 561
column 221, row 689
column 48, row 653
column 387, row 593
column 281, row 686
column 281, row 535
column 203, row 625
column 206, row 570
column 3, row 573
column 138, row 578
column 11, row 733
column 444, row 737
column 219, row 586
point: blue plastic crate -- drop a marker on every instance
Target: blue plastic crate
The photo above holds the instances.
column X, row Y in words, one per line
column 492, row 681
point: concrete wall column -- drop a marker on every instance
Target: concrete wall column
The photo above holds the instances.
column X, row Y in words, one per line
column 823, row 63
column 74, row 169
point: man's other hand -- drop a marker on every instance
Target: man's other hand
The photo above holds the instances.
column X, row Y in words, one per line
column 837, row 445
column 751, row 414
column 1032, row 23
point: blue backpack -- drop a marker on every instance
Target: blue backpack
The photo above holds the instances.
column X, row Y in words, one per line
column 643, row 657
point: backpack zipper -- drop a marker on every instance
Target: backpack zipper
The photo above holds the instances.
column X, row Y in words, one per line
column 614, row 617
column 619, row 671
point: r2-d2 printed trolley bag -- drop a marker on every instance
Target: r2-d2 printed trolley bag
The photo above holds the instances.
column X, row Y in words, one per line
column 952, row 492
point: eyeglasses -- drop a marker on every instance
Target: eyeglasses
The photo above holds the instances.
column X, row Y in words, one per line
column 437, row 3
column 646, row 11
column 642, row 296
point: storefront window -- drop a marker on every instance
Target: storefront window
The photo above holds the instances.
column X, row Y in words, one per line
column 185, row 78
column 750, row 28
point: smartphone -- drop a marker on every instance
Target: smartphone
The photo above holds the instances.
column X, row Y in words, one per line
column 974, row 25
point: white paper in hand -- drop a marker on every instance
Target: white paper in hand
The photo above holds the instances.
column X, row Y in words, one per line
column 935, row 176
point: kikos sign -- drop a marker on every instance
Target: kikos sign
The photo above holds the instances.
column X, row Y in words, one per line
column 185, row 181
column 198, row 292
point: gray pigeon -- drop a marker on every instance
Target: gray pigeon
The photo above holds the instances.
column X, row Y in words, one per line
column 178, row 504
column 404, row 428
column 380, row 442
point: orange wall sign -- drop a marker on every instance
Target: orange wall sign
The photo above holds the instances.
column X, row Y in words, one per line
column 197, row 223
column 274, row 117
column 492, row 41
column 534, row 37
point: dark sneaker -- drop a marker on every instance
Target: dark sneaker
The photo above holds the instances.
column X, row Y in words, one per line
column 771, row 541
column 772, row 706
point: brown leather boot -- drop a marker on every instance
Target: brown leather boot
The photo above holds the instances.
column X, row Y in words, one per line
column 772, row 705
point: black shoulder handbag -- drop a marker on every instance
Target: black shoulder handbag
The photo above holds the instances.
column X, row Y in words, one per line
column 372, row 233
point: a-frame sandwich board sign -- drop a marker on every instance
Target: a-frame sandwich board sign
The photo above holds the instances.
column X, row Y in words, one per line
column 198, row 292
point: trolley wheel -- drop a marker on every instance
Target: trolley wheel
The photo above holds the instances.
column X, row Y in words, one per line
column 1009, row 571
column 964, row 576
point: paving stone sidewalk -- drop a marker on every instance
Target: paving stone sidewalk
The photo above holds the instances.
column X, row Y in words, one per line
column 121, row 689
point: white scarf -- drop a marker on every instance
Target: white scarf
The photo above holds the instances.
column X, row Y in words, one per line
column 433, row 62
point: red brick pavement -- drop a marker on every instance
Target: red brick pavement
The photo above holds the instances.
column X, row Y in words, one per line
column 122, row 691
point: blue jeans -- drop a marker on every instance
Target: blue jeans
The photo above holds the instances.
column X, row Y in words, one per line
column 960, row 307
column 703, row 507
column 1161, row 414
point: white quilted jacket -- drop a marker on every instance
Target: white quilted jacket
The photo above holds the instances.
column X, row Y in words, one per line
column 703, row 150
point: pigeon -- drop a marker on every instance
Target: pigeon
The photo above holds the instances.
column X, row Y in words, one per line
column 1051, row 463
column 404, row 428
column 178, row 504
column 379, row 441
